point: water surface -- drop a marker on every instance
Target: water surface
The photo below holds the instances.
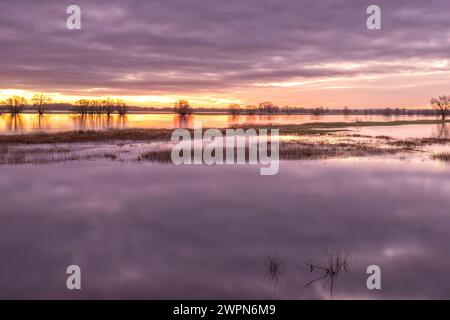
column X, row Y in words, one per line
column 160, row 231
column 68, row 122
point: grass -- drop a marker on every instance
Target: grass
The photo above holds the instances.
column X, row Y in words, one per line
column 13, row 155
column 163, row 156
column 88, row 136
column 17, row 155
column 288, row 150
column 337, row 265
column 297, row 150
column 17, row 149
column 274, row 265
column 318, row 128
column 443, row 157
column 417, row 142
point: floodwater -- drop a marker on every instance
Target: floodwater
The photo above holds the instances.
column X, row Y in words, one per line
column 162, row 231
column 68, row 122
column 408, row 131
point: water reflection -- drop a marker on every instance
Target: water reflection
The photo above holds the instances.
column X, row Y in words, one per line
column 442, row 130
column 99, row 122
column 149, row 232
column 408, row 131
column 13, row 123
column 67, row 122
column 186, row 121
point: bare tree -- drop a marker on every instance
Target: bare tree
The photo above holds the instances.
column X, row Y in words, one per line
column 251, row 109
column 346, row 111
column 442, row 104
column 108, row 106
column 82, row 106
column 96, row 106
column 121, row 107
column 182, row 107
column 268, row 107
column 15, row 104
column 287, row 109
column 40, row 102
column 234, row 109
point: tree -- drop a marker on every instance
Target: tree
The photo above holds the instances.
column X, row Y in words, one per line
column 268, row 107
column 40, row 101
column 318, row 111
column 234, row 109
column 287, row 110
column 108, row 106
column 96, row 106
column 15, row 104
column 442, row 104
column 121, row 107
column 82, row 106
column 346, row 111
column 251, row 110
column 182, row 107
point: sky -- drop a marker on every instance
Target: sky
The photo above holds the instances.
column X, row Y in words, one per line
column 292, row 52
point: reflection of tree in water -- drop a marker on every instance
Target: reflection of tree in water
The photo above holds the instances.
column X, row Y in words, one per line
column 250, row 117
column 99, row 122
column 79, row 122
column 233, row 119
column 185, row 121
column 441, row 130
column 40, row 122
column 121, row 122
column 14, row 122
column 317, row 117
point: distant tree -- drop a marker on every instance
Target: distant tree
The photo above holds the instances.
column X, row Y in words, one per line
column 387, row 112
column 121, row 107
column 318, row 111
column 40, row 102
column 442, row 104
column 346, row 111
column 234, row 109
column 182, row 107
column 108, row 106
column 287, row 110
column 268, row 107
column 82, row 106
column 96, row 106
column 251, row 109
column 275, row 109
column 16, row 104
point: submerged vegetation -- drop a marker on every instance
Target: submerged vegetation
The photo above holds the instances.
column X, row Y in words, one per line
column 319, row 128
column 274, row 269
column 443, row 157
column 309, row 141
column 333, row 271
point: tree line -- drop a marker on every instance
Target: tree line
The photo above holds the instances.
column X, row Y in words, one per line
column 107, row 106
column 40, row 102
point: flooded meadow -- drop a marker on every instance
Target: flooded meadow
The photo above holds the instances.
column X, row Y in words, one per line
column 140, row 227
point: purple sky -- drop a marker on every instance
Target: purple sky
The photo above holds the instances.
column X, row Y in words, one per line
column 301, row 52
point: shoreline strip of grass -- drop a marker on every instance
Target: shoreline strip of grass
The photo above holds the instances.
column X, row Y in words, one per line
column 318, row 128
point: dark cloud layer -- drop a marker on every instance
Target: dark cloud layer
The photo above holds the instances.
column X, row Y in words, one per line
column 155, row 47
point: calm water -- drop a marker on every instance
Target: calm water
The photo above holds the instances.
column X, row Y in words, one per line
column 408, row 131
column 67, row 122
column 159, row 231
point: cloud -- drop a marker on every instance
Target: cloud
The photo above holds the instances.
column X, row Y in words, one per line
column 161, row 47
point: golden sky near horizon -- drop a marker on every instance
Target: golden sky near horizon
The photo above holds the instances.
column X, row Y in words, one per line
column 297, row 53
